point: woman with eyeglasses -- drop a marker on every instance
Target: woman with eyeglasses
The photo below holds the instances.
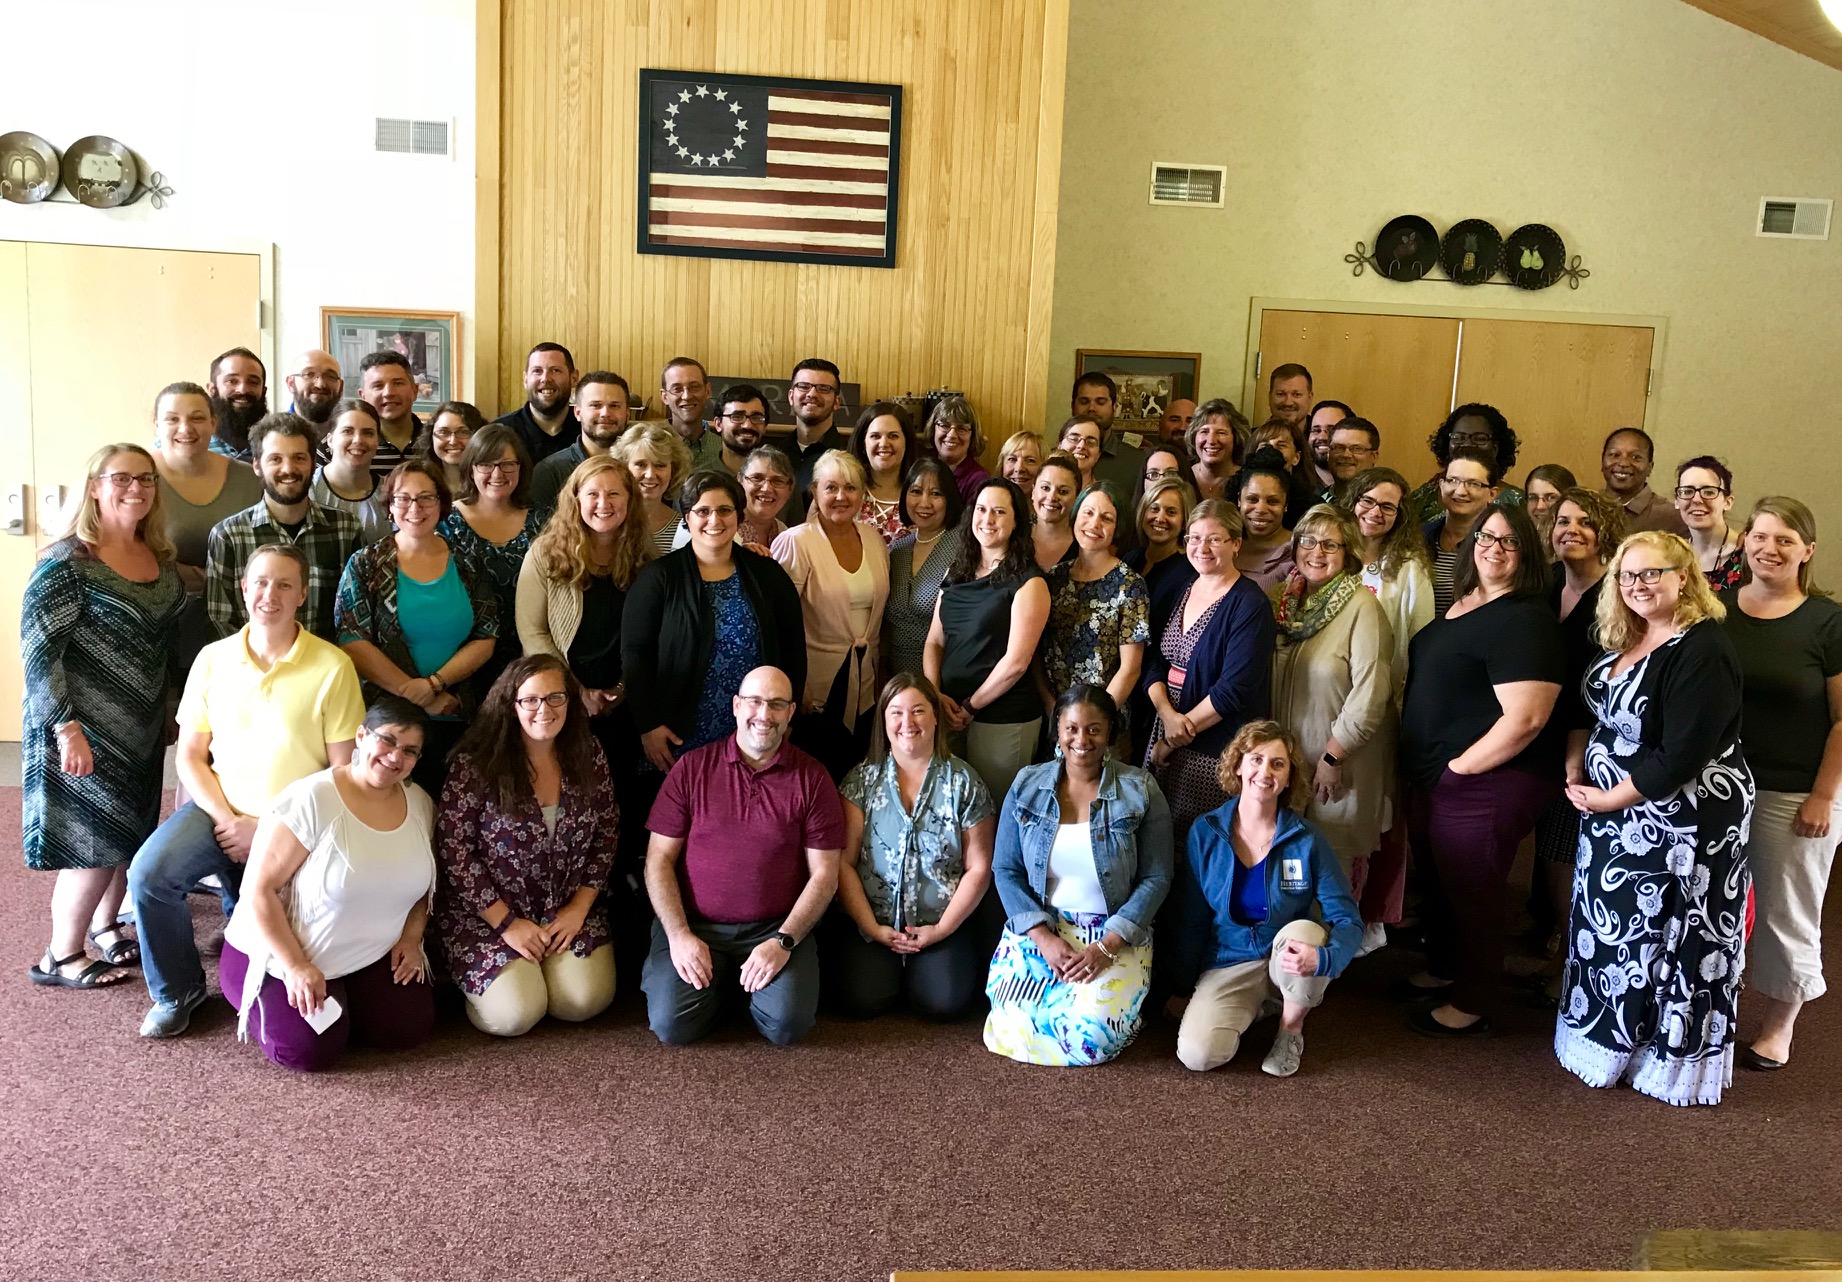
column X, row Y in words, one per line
column 1542, row 492
column 1080, row 441
column 767, row 478
column 883, row 446
column 918, row 562
column 840, row 568
column 699, row 619
column 1665, row 796
column 988, row 621
column 418, row 619
column 954, row 437
column 1333, row 685
column 1099, row 612
column 492, row 524
column 660, row 462
column 1481, row 757
column 1704, row 497
column 445, row 439
column 1788, row 633
column 335, row 904
column 917, row 863
column 98, row 622
column 1262, row 492
column 529, row 832
column 1470, row 486
column 1058, row 481
column 1469, row 427
column 1212, row 671
column 1214, row 445
column 1019, row 458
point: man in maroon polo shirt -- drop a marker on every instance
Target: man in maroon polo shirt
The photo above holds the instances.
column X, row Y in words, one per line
column 746, row 835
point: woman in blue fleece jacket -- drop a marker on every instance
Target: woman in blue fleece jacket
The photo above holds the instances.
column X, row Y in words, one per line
column 1266, row 879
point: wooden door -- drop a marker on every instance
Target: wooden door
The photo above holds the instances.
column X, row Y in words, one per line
column 1563, row 387
column 1395, row 371
column 93, row 334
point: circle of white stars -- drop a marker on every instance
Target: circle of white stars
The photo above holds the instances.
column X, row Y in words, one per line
column 715, row 158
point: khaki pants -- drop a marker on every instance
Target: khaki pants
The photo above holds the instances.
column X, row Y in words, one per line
column 1789, row 875
column 565, row 987
column 1227, row 1000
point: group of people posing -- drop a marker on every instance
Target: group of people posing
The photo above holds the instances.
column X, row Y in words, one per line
column 1178, row 719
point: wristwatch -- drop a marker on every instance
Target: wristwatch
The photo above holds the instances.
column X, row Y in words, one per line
column 1331, row 761
column 785, row 940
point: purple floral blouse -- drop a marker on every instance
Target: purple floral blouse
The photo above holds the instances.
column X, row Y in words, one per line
column 488, row 854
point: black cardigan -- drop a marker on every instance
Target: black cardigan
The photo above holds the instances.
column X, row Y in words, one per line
column 667, row 633
column 1692, row 713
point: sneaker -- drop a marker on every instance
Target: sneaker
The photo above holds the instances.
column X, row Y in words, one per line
column 169, row 1019
column 1282, row 1060
column 1374, row 937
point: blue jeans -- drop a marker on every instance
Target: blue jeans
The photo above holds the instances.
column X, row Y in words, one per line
column 167, row 866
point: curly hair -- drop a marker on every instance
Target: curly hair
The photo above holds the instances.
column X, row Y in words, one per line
column 1618, row 625
column 1250, row 736
column 563, row 547
column 495, row 741
column 1403, row 542
column 1507, row 440
column 1603, row 517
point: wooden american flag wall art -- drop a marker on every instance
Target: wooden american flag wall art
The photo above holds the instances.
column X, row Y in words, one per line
column 763, row 167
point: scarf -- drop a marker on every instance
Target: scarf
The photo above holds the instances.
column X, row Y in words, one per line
column 1299, row 616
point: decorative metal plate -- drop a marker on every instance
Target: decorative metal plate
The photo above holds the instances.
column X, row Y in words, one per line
column 1406, row 248
column 100, row 172
column 1470, row 252
column 1534, row 256
column 28, row 167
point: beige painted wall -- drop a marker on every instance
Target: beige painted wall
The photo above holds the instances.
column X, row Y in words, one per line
column 1643, row 131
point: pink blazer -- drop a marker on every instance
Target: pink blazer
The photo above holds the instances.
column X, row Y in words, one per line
column 825, row 601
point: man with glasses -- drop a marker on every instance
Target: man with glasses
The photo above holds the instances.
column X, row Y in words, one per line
column 746, row 838
column 814, row 393
column 1625, row 461
column 388, row 385
column 545, row 422
column 684, row 386
column 741, row 422
column 1324, row 416
column 604, row 406
column 1472, row 426
column 315, row 386
column 325, row 537
column 1354, row 446
column 262, row 708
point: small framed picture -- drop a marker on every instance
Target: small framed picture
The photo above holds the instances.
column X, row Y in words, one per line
column 1148, row 381
column 430, row 341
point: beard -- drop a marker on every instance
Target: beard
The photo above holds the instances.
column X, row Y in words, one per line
column 548, row 405
column 316, row 406
column 233, row 422
column 287, row 495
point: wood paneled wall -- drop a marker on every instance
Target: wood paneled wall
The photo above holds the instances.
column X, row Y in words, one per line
column 968, row 303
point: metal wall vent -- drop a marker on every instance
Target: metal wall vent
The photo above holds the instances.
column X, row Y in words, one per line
column 1197, row 185
column 1795, row 217
column 413, row 137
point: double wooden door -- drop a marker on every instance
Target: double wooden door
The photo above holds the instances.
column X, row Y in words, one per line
column 89, row 334
column 1562, row 385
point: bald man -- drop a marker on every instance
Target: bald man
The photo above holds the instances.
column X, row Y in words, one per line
column 315, row 383
column 1176, row 420
column 743, row 861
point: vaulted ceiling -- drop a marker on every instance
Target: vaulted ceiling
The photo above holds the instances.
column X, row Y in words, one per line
column 1795, row 24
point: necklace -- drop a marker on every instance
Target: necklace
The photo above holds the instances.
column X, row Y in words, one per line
column 928, row 543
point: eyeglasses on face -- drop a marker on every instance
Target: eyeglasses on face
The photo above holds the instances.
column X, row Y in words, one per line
column 755, row 703
column 388, row 743
column 739, row 417
column 1708, row 492
column 772, row 479
column 1159, row 473
column 504, row 467
column 685, row 389
column 1464, row 483
column 1210, row 541
column 1508, row 542
column 1648, row 577
column 529, row 702
column 122, row 480
column 1367, row 504
column 723, row 512
column 403, row 502
column 808, row 389
column 459, row 433
column 1470, row 437
column 1310, row 542
column 1347, row 448
column 953, row 429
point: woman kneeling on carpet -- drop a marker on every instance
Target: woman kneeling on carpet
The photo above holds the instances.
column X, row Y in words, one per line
column 529, row 827
column 325, row 947
column 1082, row 863
column 1264, row 875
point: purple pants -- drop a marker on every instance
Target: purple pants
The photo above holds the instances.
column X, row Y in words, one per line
column 379, row 1013
column 1465, row 829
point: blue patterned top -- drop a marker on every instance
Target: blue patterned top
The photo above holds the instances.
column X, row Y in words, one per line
column 917, row 855
column 1089, row 622
column 737, row 652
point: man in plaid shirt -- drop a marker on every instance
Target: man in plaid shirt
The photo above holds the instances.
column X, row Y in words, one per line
column 282, row 447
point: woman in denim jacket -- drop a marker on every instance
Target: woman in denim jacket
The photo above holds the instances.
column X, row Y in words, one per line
column 1082, row 862
column 1266, row 878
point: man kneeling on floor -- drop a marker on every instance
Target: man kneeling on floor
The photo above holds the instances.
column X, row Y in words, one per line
column 746, row 836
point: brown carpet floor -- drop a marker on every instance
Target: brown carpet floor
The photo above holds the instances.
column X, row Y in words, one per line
column 592, row 1152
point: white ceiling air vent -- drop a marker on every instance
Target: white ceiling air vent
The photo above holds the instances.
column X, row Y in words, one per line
column 1198, row 185
column 1795, row 217
column 413, row 137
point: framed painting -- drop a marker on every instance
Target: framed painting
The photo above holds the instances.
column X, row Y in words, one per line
column 430, row 341
column 1148, row 381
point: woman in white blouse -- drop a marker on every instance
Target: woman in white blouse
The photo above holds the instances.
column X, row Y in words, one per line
column 325, row 947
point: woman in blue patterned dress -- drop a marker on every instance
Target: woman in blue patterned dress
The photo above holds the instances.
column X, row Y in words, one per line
column 1099, row 613
column 492, row 524
column 98, row 624
column 1660, row 883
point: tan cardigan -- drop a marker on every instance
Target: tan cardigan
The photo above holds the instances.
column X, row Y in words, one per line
column 825, row 601
column 1341, row 682
column 549, row 611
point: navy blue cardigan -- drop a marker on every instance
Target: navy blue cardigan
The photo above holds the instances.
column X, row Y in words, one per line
column 1232, row 664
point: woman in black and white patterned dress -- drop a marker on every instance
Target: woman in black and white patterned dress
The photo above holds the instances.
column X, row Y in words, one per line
column 1660, row 882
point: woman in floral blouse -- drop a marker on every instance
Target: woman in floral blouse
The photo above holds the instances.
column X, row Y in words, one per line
column 1704, row 497
column 1099, row 612
column 528, row 833
column 917, row 862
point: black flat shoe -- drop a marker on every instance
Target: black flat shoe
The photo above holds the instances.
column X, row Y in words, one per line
column 1405, row 990
column 1423, row 1023
column 1760, row 1063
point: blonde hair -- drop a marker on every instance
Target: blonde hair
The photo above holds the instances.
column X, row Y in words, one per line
column 1185, row 501
column 562, row 547
column 661, row 443
column 1222, row 512
column 1323, row 515
column 1016, row 441
column 1250, row 736
column 1619, row 627
column 832, row 461
column 1803, row 524
column 86, row 517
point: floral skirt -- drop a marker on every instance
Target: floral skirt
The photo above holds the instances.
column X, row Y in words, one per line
column 1039, row 1019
